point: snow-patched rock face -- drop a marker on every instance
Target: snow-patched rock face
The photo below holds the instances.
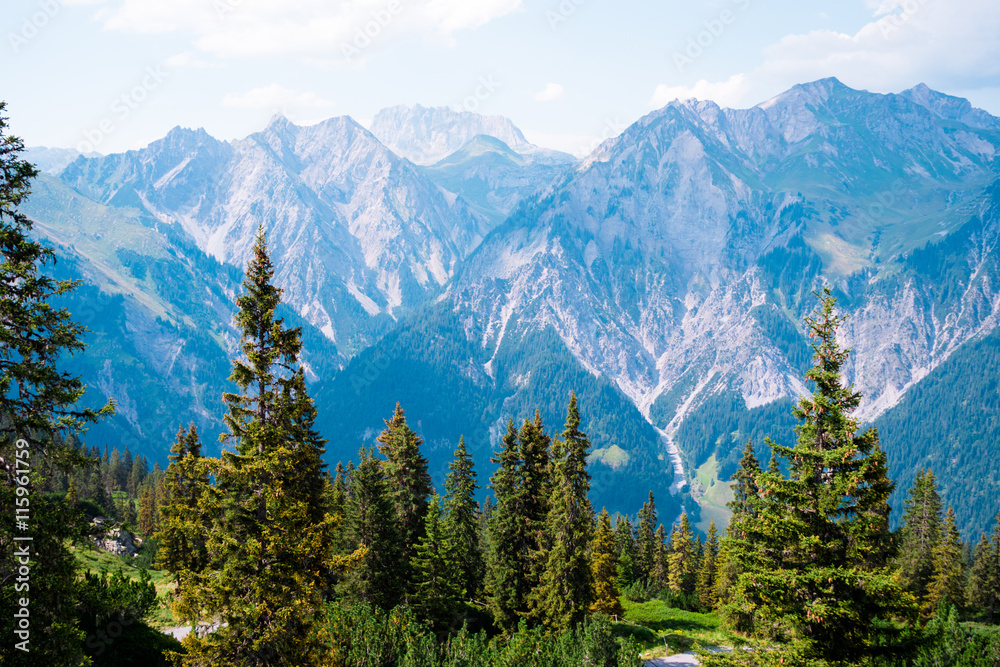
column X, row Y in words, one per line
column 355, row 231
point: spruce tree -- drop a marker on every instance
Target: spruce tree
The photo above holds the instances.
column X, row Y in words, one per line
column 507, row 562
column 563, row 595
column 462, row 521
column 645, row 540
column 919, row 534
column 271, row 544
column 660, row 577
column 408, row 480
column 818, row 573
column 737, row 549
column 625, row 552
column 437, row 585
column 682, row 560
column 371, row 526
column 535, row 495
column 705, row 586
column 947, row 584
column 38, row 408
column 984, row 583
column 183, row 531
column 604, row 569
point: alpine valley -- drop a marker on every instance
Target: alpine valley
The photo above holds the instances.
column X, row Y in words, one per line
column 441, row 260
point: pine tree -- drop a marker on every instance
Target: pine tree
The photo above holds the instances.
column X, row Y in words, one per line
column 625, row 551
column 271, row 544
column 563, row 596
column 737, row 548
column 660, row 577
column 183, row 531
column 507, row 562
column 38, row 408
column 705, row 586
column 920, row 532
column 535, row 495
column 371, row 523
column 462, row 522
column 819, row 571
column 682, row 561
column 984, row 584
column 645, row 540
column 409, row 482
column 604, row 569
column 72, row 496
column 947, row 584
column 437, row 578
column 338, row 508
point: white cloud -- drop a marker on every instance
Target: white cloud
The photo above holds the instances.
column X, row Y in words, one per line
column 275, row 98
column 551, row 92
column 948, row 44
column 725, row 93
column 317, row 28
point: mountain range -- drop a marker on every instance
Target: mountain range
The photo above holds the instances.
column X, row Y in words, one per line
column 441, row 260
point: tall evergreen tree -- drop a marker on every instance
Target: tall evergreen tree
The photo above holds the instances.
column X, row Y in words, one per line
column 38, row 407
column 947, row 584
column 625, row 552
column 820, row 574
column 507, row 563
column 604, row 569
column 183, row 531
column 737, row 547
column 705, row 586
column 682, row 569
column 645, row 540
column 984, row 583
column 462, row 522
column 564, row 594
column 920, row 532
column 371, row 525
column 409, row 482
column 660, row 577
column 535, row 484
column 272, row 542
column 437, row 578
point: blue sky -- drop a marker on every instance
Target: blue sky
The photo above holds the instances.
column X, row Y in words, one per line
column 116, row 74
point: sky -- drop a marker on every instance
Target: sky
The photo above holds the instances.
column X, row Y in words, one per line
column 113, row 75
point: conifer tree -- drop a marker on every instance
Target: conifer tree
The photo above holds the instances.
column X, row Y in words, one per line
column 38, row 407
column 604, row 569
column 984, row 584
column 706, row 570
column 72, row 495
column 271, row 544
column 462, row 522
column 737, row 548
column 947, row 584
column 183, row 532
column 563, row 596
column 645, row 540
column 625, row 552
column 408, row 480
column 920, row 532
column 535, row 495
column 660, row 577
column 338, row 508
column 682, row 561
column 507, row 563
column 437, row 579
column 371, row 525
column 819, row 572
